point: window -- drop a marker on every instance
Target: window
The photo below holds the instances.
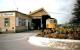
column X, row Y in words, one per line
column 22, row 22
column 6, row 22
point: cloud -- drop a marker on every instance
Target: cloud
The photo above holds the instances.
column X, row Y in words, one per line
column 59, row 9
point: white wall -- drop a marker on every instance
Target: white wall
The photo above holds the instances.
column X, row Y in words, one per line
column 26, row 22
column 17, row 21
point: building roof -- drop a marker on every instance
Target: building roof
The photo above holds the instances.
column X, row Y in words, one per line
column 13, row 11
column 8, row 11
column 36, row 11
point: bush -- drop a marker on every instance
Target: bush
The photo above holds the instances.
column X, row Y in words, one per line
column 0, row 30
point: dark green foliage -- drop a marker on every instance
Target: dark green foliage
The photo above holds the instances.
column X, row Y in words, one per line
column 76, row 18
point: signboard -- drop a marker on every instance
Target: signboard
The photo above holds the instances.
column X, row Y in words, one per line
column 7, row 14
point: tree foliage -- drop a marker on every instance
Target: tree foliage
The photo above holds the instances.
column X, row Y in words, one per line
column 76, row 13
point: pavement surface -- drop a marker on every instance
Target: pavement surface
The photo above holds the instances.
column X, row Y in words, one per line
column 19, row 41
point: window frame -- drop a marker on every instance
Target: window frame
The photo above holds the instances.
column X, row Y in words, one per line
column 7, row 22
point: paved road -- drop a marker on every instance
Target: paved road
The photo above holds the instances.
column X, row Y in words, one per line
column 19, row 41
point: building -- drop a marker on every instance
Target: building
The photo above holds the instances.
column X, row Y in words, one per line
column 39, row 18
column 12, row 21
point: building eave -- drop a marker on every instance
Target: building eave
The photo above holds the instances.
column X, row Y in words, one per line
column 41, row 9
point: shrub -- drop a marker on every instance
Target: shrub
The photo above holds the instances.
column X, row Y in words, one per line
column 0, row 30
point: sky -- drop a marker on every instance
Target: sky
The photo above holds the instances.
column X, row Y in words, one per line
column 59, row 9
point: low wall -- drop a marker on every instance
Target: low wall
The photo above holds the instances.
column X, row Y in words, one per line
column 54, row 43
column 21, row 28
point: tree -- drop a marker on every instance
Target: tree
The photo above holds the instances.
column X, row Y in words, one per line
column 76, row 13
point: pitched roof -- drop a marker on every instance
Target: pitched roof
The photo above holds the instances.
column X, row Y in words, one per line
column 41, row 9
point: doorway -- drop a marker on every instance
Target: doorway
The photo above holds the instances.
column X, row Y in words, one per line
column 36, row 23
column 40, row 23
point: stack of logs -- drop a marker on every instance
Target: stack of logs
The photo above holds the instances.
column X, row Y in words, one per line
column 52, row 33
